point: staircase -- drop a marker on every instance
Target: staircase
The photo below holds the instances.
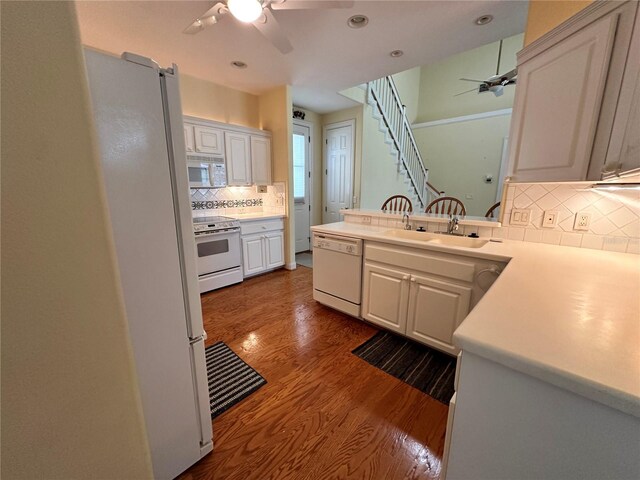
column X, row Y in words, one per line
column 388, row 109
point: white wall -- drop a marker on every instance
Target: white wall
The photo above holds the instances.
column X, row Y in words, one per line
column 459, row 155
column 70, row 400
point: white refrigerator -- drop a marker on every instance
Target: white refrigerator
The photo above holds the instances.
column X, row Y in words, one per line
column 138, row 119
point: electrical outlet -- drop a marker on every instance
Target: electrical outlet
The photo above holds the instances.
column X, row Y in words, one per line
column 520, row 217
column 550, row 218
column 582, row 222
column 366, row 219
column 262, row 189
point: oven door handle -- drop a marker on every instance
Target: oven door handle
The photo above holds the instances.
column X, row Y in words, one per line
column 216, row 234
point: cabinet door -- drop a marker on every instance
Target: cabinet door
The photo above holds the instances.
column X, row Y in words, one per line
column 237, row 147
column 253, row 258
column 188, row 138
column 209, row 140
column 385, row 297
column 436, row 308
column 261, row 160
column 623, row 154
column 556, row 109
column 274, row 249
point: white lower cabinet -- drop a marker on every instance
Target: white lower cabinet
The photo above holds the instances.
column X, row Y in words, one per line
column 274, row 249
column 262, row 251
column 423, row 295
column 253, row 255
column 385, row 297
column 436, row 308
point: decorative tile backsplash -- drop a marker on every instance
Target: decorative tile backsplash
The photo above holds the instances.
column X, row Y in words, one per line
column 217, row 204
column 238, row 200
column 614, row 215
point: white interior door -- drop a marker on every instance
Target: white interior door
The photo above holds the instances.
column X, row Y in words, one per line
column 339, row 161
column 301, row 184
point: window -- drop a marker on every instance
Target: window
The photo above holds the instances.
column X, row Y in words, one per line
column 299, row 167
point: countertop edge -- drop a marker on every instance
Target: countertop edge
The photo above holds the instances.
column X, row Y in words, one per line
column 579, row 385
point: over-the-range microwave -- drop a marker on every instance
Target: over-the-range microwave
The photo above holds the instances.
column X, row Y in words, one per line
column 206, row 171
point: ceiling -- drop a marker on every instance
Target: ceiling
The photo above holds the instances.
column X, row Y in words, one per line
column 328, row 55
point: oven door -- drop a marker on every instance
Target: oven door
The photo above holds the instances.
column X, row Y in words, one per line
column 218, row 251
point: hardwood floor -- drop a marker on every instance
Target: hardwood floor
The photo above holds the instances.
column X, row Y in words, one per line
column 324, row 413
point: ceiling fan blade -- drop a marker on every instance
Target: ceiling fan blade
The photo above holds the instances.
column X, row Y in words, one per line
column 509, row 75
column 309, row 4
column 208, row 18
column 270, row 28
column 468, row 91
column 471, row 80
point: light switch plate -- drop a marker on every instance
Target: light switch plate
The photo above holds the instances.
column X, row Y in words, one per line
column 520, row 217
column 550, row 218
column 582, row 222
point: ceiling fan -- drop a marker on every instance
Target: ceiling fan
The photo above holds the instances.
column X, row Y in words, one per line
column 495, row 83
column 259, row 14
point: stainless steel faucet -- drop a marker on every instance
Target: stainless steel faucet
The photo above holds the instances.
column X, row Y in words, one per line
column 452, row 227
column 408, row 224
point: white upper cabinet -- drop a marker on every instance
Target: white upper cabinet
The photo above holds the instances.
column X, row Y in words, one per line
column 209, row 140
column 247, row 151
column 261, row 160
column 188, row 138
column 567, row 93
column 238, row 158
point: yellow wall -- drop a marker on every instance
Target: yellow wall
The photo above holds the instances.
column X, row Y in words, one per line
column 545, row 15
column 275, row 115
column 316, row 189
column 440, row 82
column 408, row 86
column 204, row 99
column 354, row 113
column 70, row 401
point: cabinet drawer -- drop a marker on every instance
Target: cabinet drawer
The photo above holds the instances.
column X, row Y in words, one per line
column 261, row 226
column 423, row 261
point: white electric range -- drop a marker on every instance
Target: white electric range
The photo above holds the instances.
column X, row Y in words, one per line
column 219, row 254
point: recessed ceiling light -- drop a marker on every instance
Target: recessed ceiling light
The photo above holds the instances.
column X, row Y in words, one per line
column 357, row 21
column 483, row 20
column 238, row 64
column 396, row 53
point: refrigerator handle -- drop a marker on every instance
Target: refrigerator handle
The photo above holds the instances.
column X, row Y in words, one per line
column 201, row 387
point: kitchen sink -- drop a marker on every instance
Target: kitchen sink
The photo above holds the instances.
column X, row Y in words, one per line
column 436, row 239
column 410, row 235
column 454, row 241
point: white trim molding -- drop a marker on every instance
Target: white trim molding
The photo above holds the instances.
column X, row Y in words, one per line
column 463, row 118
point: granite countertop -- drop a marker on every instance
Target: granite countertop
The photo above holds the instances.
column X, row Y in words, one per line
column 568, row 316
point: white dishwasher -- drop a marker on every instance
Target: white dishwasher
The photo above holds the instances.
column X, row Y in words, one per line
column 337, row 272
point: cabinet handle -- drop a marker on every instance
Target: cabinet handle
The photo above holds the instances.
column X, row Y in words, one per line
column 405, row 278
column 413, row 280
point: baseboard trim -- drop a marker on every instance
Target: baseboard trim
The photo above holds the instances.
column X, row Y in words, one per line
column 291, row 266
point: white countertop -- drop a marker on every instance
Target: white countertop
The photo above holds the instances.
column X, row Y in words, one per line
column 255, row 216
column 568, row 316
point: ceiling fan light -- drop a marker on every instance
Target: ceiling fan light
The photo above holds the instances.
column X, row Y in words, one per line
column 245, row 10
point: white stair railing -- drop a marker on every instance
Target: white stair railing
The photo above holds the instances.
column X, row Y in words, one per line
column 383, row 96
